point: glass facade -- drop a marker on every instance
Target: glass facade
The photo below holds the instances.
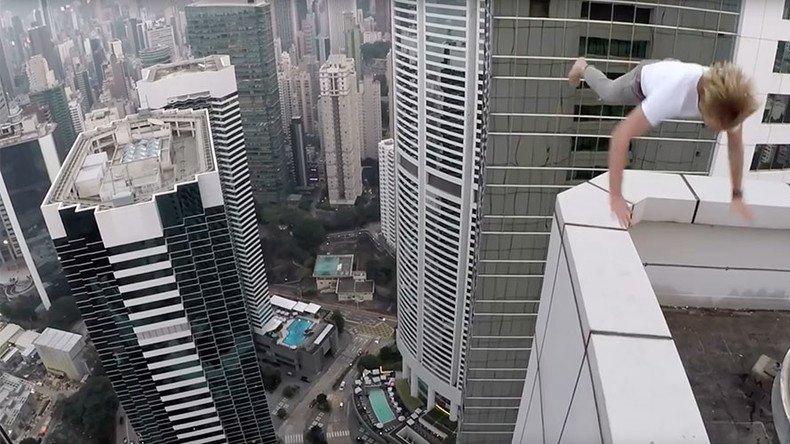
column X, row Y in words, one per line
column 180, row 353
column 244, row 32
column 782, row 61
column 24, row 174
column 56, row 104
column 771, row 157
column 545, row 137
column 776, row 109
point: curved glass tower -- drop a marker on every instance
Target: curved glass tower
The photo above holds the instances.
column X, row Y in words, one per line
column 440, row 96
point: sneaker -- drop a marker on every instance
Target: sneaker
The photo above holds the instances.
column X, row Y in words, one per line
column 576, row 72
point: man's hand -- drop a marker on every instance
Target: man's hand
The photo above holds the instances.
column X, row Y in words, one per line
column 739, row 207
column 621, row 210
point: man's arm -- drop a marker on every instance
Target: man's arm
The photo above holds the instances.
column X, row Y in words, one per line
column 634, row 125
column 735, row 155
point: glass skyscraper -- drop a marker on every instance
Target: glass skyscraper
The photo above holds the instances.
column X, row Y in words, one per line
column 243, row 30
column 161, row 296
column 537, row 136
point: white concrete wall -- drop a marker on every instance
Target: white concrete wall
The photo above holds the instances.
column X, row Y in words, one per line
column 605, row 367
column 760, row 28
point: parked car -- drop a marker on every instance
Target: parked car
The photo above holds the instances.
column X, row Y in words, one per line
column 342, row 385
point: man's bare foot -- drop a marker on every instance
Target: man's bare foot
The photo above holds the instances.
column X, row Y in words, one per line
column 576, row 72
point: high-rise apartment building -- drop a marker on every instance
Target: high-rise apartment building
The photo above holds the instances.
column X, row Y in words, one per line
column 336, row 23
column 235, row 28
column 28, row 166
column 299, row 151
column 41, row 43
column 160, row 35
column 371, row 117
column 160, row 297
column 341, row 129
column 83, row 83
column 77, row 115
column 296, row 94
column 387, row 177
column 439, row 92
column 210, row 83
column 39, row 76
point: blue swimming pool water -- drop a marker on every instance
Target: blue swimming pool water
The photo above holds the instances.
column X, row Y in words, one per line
column 378, row 400
column 295, row 336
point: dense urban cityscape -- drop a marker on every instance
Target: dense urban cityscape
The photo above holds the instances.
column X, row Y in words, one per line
column 388, row 221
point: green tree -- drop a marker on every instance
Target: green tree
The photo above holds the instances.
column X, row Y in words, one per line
column 368, row 362
column 290, row 390
column 381, row 271
column 338, row 320
column 22, row 310
column 29, row 441
column 309, row 234
column 91, row 411
column 63, row 313
column 271, row 378
column 281, row 413
column 390, row 354
column 322, row 402
column 315, row 435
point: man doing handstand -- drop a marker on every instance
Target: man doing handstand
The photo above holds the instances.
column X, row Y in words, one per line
column 721, row 95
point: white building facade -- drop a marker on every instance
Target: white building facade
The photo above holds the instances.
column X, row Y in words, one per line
column 341, row 129
column 210, row 83
column 387, row 191
column 439, row 90
column 61, row 353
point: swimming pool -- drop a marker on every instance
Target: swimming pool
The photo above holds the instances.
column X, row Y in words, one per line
column 296, row 330
column 378, row 400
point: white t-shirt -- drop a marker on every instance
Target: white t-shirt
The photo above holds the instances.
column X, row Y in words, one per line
column 670, row 89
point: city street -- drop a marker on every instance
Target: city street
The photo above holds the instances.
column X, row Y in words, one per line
column 124, row 431
column 336, row 422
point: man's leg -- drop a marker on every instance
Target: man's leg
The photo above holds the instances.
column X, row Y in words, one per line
column 620, row 91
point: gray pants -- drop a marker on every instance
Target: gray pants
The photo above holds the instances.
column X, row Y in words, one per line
column 623, row 90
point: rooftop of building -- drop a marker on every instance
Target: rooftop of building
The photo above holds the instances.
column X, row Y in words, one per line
column 210, row 63
column 57, row 339
column 22, row 127
column 659, row 340
column 333, row 266
column 14, row 393
column 336, row 63
column 296, row 324
column 130, row 160
column 352, row 285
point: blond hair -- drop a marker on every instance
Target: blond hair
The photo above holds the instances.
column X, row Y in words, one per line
column 727, row 95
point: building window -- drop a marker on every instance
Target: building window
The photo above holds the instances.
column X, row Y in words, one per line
column 776, row 109
column 540, row 8
column 786, row 13
column 615, row 13
column 771, row 157
column 627, row 49
column 782, row 61
column 582, row 113
column 591, row 143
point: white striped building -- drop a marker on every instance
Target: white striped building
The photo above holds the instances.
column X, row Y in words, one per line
column 210, row 83
column 387, row 191
column 139, row 221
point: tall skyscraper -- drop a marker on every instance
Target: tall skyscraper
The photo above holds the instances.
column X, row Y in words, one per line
column 41, row 43
column 83, row 83
column 387, row 172
column 6, row 83
column 382, row 14
column 39, row 76
column 296, row 94
column 371, row 117
column 353, row 45
column 161, row 35
column 299, row 148
column 77, row 114
column 28, row 166
column 160, row 297
column 55, row 104
column 341, row 129
column 210, row 83
column 485, row 90
column 438, row 130
column 235, row 28
column 283, row 22
column 336, row 23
